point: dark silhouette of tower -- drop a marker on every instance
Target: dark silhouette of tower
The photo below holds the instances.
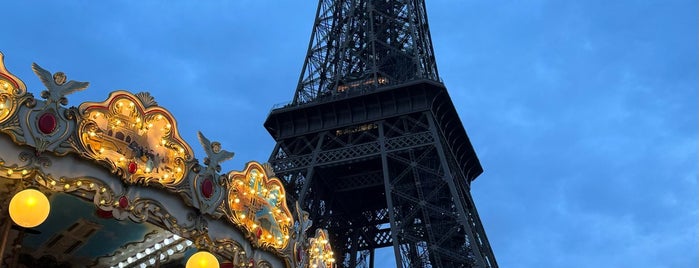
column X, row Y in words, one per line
column 371, row 144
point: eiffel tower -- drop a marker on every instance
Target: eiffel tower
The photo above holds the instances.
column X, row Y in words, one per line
column 372, row 146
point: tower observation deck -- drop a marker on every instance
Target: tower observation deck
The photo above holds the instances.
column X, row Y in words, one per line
column 372, row 145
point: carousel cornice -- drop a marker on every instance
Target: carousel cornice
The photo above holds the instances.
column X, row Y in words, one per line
column 125, row 154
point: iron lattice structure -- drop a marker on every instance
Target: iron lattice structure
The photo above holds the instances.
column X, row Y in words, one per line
column 362, row 44
column 372, row 145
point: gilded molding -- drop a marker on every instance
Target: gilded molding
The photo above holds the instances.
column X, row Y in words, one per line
column 257, row 203
column 137, row 141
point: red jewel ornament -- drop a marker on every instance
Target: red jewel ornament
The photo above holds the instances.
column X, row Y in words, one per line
column 207, row 188
column 132, row 167
column 259, row 232
column 47, row 123
column 123, row 202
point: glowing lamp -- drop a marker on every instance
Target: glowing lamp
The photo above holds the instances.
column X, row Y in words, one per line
column 202, row 259
column 29, row 208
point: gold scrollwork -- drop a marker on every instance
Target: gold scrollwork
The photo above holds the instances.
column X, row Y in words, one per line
column 138, row 142
column 257, row 203
column 320, row 253
column 11, row 88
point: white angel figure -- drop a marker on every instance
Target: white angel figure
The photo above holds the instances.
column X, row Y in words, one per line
column 56, row 85
column 214, row 154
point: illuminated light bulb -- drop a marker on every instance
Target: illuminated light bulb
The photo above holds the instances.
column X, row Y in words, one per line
column 9, row 172
column 242, row 216
column 150, row 125
column 168, row 125
column 138, row 120
column 202, row 259
column 179, row 169
column 101, row 150
column 79, row 183
column 166, row 176
column 24, row 172
column 254, row 225
column 236, row 200
column 29, row 208
column 131, row 104
column 159, row 117
column 269, row 236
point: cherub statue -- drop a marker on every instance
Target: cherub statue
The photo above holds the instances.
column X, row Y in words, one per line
column 304, row 223
column 214, row 154
column 56, row 85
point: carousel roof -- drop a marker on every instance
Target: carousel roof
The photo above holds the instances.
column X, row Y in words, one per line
column 125, row 189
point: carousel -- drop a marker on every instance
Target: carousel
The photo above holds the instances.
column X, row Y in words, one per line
column 112, row 184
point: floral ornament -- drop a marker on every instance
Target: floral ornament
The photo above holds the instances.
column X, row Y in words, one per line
column 257, row 203
column 135, row 138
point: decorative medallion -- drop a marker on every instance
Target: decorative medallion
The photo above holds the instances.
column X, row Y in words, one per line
column 47, row 123
column 207, row 188
column 139, row 142
column 258, row 204
column 123, row 202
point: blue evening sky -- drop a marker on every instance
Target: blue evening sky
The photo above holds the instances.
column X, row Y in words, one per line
column 583, row 113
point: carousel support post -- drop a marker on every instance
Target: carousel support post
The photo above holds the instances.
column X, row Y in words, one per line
column 7, row 224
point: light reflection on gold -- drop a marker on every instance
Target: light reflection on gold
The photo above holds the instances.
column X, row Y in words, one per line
column 320, row 253
column 139, row 140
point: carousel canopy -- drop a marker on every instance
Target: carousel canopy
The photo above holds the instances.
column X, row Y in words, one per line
column 125, row 190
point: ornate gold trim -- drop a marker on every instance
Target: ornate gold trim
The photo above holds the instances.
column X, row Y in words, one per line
column 257, row 203
column 137, row 141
